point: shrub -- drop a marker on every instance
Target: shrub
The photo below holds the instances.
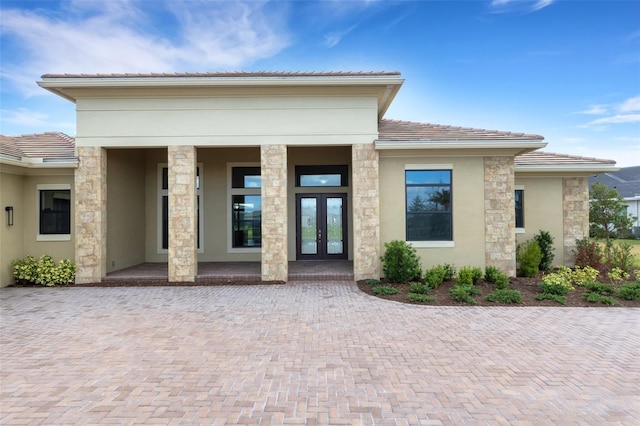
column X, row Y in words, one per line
column 630, row 291
column 557, row 298
column 400, row 262
column 557, row 283
column 505, row 296
column 528, row 257
column 434, row 276
column 502, row 282
column 583, row 275
column 419, row 288
column 385, row 291
column 596, row 297
column 618, row 255
column 372, row 282
column 617, row 275
column 497, row 277
column 464, row 293
column 449, row 272
column 44, row 271
column 469, row 275
column 413, row 297
column 599, row 288
column 545, row 241
column 588, row 253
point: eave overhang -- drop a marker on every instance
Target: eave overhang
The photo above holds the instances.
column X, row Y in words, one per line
column 520, row 146
column 38, row 163
column 586, row 169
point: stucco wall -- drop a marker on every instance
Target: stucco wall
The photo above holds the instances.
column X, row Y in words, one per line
column 542, row 210
column 225, row 117
column 11, row 237
column 467, row 205
column 125, row 208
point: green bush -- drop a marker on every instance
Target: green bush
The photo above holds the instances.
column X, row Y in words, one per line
column 464, row 293
column 599, row 288
column 558, row 283
column 618, row 255
column 555, row 297
column 469, row 275
column 529, row 257
column 44, row 271
column 617, row 275
column 598, row 298
column 505, row 296
column 413, row 297
column 588, row 253
column 372, row 282
column 419, row 288
column 545, row 241
column 435, row 276
column 385, row 291
column 400, row 262
column 449, row 272
column 502, row 282
column 495, row 276
column 630, row 291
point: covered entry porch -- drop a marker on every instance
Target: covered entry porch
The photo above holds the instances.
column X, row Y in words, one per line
column 230, row 272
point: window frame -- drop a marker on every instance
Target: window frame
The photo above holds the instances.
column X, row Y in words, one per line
column 231, row 191
column 53, row 187
column 430, row 243
column 519, row 229
column 161, row 192
column 311, row 170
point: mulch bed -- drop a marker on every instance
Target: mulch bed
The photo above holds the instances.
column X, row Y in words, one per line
column 528, row 287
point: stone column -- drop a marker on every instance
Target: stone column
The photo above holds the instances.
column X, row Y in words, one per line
column 183, row 251
column 499, row 213
column 366, row 211
column 575, row 215
column 273, row 160
column 90, row 186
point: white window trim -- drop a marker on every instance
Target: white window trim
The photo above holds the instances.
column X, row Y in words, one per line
column 238, row 191
column 519, row 188
column 48, row 187
column 161, row 192
column 430, row 244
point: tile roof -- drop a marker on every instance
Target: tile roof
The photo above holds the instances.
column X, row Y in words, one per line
column 232, row 74
column 49, row 146
column 537, row 158
column 397, row 130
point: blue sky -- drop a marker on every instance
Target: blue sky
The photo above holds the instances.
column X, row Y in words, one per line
column 568, row 70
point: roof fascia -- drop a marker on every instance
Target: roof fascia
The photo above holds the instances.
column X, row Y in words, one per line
column 523, row 146
column 27, row 164
column 566, row 168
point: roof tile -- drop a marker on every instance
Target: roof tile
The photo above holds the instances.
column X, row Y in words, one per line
column 397, row 130
column 50, row 146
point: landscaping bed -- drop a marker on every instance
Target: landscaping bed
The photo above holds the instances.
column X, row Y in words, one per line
column 529, row 288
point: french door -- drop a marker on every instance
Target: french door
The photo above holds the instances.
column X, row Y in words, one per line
column 321, row 226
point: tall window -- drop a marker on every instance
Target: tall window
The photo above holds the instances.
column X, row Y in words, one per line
column 519, row 201
column 428, row 205
column 55, row 211
column 164, row 208
column 246, row 207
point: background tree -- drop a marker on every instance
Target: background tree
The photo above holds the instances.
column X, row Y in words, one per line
column 607, row 212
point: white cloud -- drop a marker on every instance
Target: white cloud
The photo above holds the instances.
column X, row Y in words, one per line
column 120, row 36
column 518, row 5
column 631, row 104
column 333, row 38
column 595, row 110
column 27, row 119
column 615, row 119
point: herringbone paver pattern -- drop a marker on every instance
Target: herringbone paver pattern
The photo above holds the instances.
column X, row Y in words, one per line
column 308, row 354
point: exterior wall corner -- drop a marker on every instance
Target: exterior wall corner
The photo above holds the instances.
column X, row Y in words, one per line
column 274, row 262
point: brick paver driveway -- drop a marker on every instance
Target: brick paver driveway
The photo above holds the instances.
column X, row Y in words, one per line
column 308, row 354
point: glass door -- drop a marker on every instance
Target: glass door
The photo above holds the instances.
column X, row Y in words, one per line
column 321, row 226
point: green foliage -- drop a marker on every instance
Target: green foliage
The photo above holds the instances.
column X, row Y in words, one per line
column 607, row 212
column 558, row 283
column 44, row 271
column 505, row 296
column 469, row 275
column 464, row 293
column 596, row 297
column 555, row 297
column 449, row 272
column 419, row 288
column 581, row 276
column 400, row 262
column 619, row 256
column 529, row 257
column 599, row 288
column 495, row 276
column 617, row 275
column 435, row 276
column 545, row 241
column 630, row 291
column 588, row 253
column 385, row 291
column 372, row 282
column 413, row 297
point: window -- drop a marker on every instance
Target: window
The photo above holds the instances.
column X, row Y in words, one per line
column 246, row 207
column 519, row 201
column 163, row 222
column 428, row 205
column 54, row 212
column 323, row 176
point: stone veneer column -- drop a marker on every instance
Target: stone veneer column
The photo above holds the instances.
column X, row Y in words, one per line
column 273, row 169
column 90, row 186
column 366, row 211
column 499, row 213
column 183, row 251
column 575, row 214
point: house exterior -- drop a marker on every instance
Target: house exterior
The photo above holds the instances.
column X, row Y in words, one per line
column 279, row 167
column 627, row 182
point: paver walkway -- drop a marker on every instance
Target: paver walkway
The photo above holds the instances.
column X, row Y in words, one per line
column 314, row 354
